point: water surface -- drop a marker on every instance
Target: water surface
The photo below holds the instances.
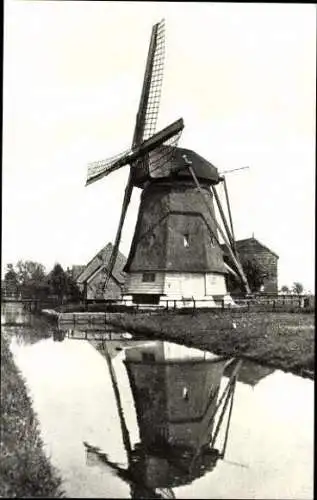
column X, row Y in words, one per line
column 150, row 408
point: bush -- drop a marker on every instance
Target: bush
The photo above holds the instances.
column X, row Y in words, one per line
column 25, row 470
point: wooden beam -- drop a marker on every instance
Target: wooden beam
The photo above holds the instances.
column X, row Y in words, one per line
column 225, row 395
column 157, row 139
column 113, row 257
column 222, row 214
column 235, row 261
column 114, row 382
column 229, row 211
column 231, row 270
column 140, row 151
column 223, row 451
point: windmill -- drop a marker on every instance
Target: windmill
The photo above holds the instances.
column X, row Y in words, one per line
column 177, row 443
column 175, row 252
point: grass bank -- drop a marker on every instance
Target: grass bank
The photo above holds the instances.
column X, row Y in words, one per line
column 281, row 340
column 25, row 470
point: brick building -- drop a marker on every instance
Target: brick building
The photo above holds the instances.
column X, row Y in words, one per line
column 253, row 250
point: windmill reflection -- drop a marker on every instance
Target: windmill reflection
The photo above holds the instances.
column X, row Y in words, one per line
column 180, row 411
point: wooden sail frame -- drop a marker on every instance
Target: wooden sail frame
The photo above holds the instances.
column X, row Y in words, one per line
column 223, row 235
column 150, row 73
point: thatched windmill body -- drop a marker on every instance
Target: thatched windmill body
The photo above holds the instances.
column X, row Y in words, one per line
column 175, row 252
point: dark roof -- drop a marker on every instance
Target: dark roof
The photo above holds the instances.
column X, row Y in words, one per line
column 250, row 244
column 101, row 259
column 166, row 162
column 177, row 163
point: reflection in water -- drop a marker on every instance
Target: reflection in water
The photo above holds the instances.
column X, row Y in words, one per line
column 180, row 411
column 250, row 373
column 26, row 327
column 78, row 396
column 15, row 313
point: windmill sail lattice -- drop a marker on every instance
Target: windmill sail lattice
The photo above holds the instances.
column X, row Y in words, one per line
column 148, row 110
column 160, row 156
column 155, row 83
column 98, row 169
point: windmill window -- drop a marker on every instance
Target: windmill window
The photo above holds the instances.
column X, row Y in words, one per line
column 185, row 393
column 148, row 277
column 186, row 240
column 148, row 356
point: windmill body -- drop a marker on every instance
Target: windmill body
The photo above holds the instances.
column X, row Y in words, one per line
column 175, row 252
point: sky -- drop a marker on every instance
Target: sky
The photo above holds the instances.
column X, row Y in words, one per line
column 242, row 76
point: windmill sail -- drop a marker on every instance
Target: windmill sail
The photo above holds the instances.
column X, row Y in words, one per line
column 148, row 108
column 169, row 135
column 145, row 139
column 99, row 169
column 115, row 248
column 152, row 86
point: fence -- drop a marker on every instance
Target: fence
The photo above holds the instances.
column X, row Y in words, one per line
column 258, row 302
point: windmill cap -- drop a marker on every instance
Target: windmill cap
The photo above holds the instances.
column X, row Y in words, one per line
column 203, row 169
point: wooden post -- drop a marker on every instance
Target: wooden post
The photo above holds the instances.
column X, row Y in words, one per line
column 236, row 262
column 229, row 419
column 225, row 396
column 229, row 211
column 115, row 386
column 223, row 217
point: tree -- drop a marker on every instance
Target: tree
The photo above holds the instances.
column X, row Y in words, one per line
column 32, row 278
column 297, row 287
column 285, row 289
column 30, row 272
column 57, row 281
column 255, row 274
column 72, row 288
column 11, row 275
column 11, row 281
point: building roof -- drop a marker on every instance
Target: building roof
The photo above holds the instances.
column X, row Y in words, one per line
column 250, row 244
column 180, row 159
column 100, row 260
column 166, row 161
column 77, row 270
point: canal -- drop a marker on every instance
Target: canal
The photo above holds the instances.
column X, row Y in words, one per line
column 151, row 419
